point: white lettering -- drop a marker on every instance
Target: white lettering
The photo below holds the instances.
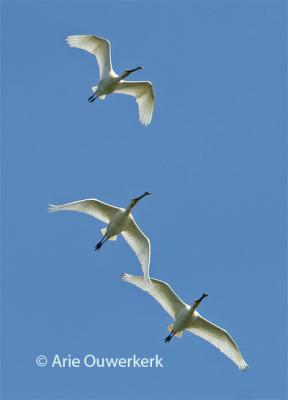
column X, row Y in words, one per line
column 111, row 361
column 158, row 362
column 98, row 364
column 122, row 362
column 144, row 362
column 65, row 362
column 89, row 360
column 56, row 361
column 136, row 361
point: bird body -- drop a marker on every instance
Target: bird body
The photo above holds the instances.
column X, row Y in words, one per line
column 182, row 319
column 109, row 81
column 118, row 223
column 119, row 220
column 106, row 85
column 187, row 318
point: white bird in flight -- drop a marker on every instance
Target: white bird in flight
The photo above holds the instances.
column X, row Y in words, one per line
column 119, row 220
column 110, row 82
column 187, row 318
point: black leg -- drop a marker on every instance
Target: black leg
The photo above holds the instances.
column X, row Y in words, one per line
column 92, row 98
column 169, row 337
column 100, row 244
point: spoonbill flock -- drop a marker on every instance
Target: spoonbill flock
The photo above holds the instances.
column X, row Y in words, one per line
column 120, row 220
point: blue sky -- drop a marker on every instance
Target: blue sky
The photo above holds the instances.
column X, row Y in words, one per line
column 214, row 159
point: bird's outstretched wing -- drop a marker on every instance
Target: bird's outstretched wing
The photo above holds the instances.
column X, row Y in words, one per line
column 96, row 45
column 160, row 290
column 139, row 243
column 219, row 338
column 96, row 208
column 143, row 92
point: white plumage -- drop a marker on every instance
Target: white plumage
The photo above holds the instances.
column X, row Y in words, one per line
column 119, row 220
column 187, row 318
column 110, row 82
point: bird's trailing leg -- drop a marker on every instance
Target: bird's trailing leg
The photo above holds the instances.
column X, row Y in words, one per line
column 92, row 98
column 100, row 244
column 169, row 337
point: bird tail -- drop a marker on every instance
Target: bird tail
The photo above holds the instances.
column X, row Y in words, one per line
column 170, row 329
column 94, row 88
column 103, row 231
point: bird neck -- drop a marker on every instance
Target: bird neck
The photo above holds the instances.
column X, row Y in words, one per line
column 129, row 208
column 124, row 75
column 133, row 202
column 191, row 312
column 127, row 72
column 197, row 302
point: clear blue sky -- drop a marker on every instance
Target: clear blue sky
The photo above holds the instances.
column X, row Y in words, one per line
column 214, row 158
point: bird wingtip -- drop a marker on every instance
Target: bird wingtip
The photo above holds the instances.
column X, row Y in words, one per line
column 123, row 276
column 51, row 207
column 243, row 366
column 72, row 40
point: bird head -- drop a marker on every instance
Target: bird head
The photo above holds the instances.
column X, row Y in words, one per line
column 135, row 201
column 197, row 302
column 129, row 71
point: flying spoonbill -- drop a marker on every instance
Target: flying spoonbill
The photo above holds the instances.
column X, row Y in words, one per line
column 110, row 82
column 119, row 220
column 187, row 318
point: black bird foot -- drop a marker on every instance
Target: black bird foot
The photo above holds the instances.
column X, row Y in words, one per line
column 168, row 338
column 98, row 245
column 91, row 98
